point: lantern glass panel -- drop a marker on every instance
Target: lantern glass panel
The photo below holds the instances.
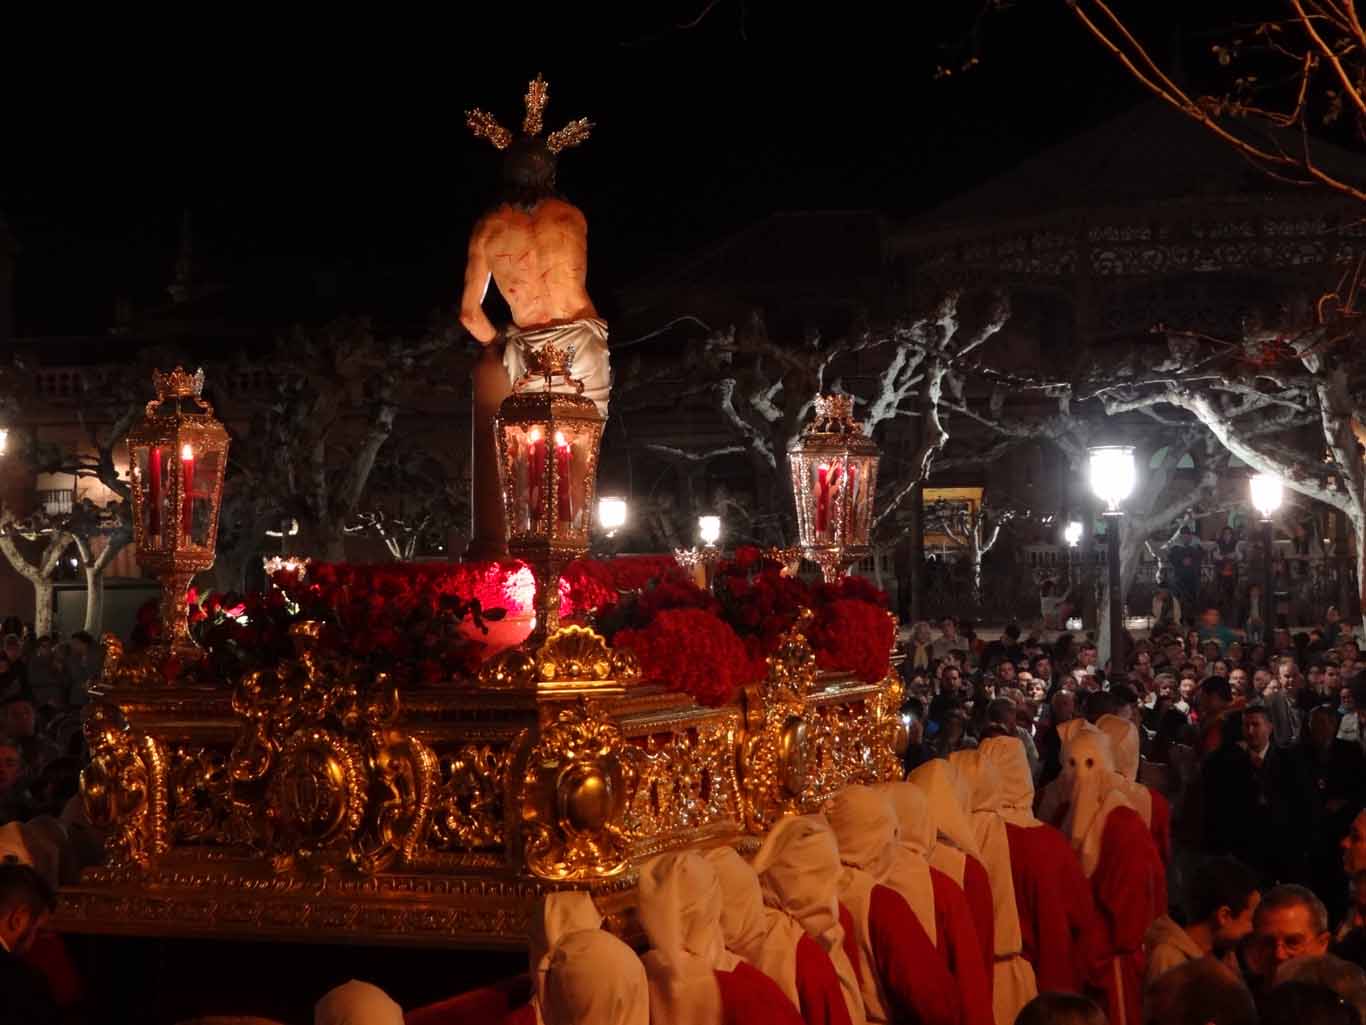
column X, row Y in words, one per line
column 574, row 456
column 153, row 465
column 199, row 474
column 528, row 454
column 860, row 480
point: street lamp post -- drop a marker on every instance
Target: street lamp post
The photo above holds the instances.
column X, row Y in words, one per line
column 1072, row 535
column 1113, row 476
column 1267, row 493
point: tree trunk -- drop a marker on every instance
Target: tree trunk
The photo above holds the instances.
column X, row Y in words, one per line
column 43, row 592
column 94, row 600
column 40, row 575
column 975, row 554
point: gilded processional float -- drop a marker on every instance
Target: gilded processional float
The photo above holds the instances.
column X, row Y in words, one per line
column 415, row 754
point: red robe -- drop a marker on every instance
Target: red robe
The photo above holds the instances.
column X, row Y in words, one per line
column 1159, row 825
column 914, row 976
column 749, row 997
column 1128, row 890
column 961, row 949
column 524, row 1015
column 819, row 995
column 1054, row 900
column 977, row 889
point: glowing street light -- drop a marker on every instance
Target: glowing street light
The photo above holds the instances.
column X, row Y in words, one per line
column 1113, row 475
column 1072, row 533
column 1267, row 495
column 611, row 514
column 709, row 530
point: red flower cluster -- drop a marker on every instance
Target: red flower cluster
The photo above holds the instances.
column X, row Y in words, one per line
column 855, row 636
column 693, row 651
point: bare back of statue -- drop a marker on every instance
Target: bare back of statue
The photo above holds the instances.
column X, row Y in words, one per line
column 538, row 258
column 534, row 246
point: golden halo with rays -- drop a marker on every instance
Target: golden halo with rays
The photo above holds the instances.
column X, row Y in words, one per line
column 484, row 125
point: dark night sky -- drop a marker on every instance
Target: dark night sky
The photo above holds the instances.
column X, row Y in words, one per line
column 342, row 146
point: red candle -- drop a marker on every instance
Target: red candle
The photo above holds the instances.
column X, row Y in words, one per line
column 822, row 497
column 850, row 498
column 154, row 490
column 562, row 485
column 535, row 473
column 186, row 488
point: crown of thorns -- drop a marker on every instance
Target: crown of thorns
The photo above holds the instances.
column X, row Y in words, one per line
column 485, row 126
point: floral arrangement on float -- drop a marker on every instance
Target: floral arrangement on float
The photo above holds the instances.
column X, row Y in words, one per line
column 428, row 623
column 710, row 643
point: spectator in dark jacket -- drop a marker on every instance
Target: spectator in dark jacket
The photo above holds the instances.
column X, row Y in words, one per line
column 1254, row 801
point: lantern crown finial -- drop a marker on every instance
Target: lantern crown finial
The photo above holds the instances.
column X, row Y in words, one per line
column 550, row 361
column 178, row 384
column 834, row 415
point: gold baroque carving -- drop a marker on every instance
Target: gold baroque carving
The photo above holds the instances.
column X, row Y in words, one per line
column 123, row 787
column 573, row 794
column 468, row 808
column 681, row 781
column 773, row 753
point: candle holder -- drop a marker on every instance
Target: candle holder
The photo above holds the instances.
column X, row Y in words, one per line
column 834, row 478
column 177, row 459
column 548, row 444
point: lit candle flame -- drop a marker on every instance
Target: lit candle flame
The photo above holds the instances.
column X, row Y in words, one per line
column 186, row 451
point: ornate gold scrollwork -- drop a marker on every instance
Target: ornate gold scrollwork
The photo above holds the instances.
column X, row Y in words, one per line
column 468, row 810
column 681, row 781
column 124, row 788
column 513, row 669
column 316, row 796
column 405, row 772
column 201, row 803
column 573, row 795
column 320, row 775
column 889, row 734
column 127, row 669
column 576, row 662
column 773, row 754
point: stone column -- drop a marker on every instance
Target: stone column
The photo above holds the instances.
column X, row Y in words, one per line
column 489, row 381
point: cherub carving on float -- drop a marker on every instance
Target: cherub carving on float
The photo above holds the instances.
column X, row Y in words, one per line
column 533, row 244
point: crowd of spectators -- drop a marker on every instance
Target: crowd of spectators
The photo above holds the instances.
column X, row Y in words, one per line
column 44, row 683
column 1257, row 748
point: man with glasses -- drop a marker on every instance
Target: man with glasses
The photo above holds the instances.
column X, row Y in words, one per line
column 1290, row 922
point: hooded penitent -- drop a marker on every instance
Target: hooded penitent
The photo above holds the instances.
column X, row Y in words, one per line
column 680, row 910
column 559, row 915
column 765, row 937
column 592, row 978
column 1094, row 790
column 1013, row 983
column 799, row 873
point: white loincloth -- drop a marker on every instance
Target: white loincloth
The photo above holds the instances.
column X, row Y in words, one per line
column 586, row 341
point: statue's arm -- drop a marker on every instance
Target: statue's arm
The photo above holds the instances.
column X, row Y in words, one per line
column 477, row 276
